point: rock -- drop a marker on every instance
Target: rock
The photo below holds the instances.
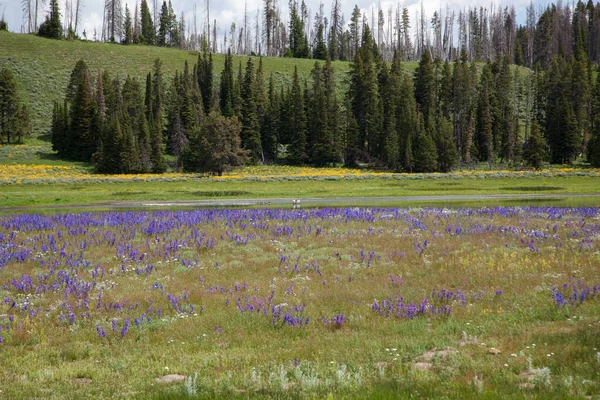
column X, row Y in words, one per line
column 430, row 355
column 494, row 351
column 526, row 385
column 172, row 378
column 422, row 366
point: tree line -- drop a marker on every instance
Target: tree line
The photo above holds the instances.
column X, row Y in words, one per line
column 444, row 116
column 485, row 33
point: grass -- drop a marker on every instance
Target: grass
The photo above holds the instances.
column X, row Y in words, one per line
column 42, row 67
column 70, row 276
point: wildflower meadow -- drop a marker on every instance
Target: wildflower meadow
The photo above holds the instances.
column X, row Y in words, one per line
column 301, row 303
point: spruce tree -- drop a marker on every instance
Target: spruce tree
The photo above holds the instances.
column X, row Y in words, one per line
column 297, row 151
column 250, row 124
column 320, row 52
column 9, row 106
column 483, row 133
column 82, row 143
column 446, row 150
column 269, row 129
column 60, row 128
column 148, row 30
column 535, row 147
column 159, row 165
column 52, row 27
column 226, row 97
column 205, row 80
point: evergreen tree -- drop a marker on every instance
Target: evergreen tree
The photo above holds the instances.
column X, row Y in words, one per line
column 226, row 96
column 561, row 129
column 128, row 27
column 60, row 128
column 205, row 80
column 216, row 148
column 425, row 153
column 250, row 124
column 296, row 120
column 148, row 30
column 159, row 164
column 298, row 44
column 144, row 146
column 446, row 150
column 52, row 27
column 269, row 129
column 13, row 119
column 425, row 87
column 129, row 159
column 80, row 67
column 535, row 147
column 164, row 25
column 82, row 143
column 483, row 133
column 108, row 158
column 320, row 52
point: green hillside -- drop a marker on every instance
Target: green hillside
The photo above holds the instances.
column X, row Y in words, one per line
column 43, row 66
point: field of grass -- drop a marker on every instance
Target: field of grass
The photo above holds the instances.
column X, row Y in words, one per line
column 329, row 303
column 42, row 67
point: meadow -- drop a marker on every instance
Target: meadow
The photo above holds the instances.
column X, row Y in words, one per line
column 301, row 303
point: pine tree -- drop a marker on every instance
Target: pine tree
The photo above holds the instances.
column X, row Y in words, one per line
column 216, row 147
column 10, row 123
column 250, row 124
column 159, row 164
column 425, row 153
column 483, row 133
column 80, row 67
column 560, row 122
column 129, row 159
column 297, row 151
column 535, row 147
column 425, row 87
column 269, row 129
column 52, row 27
column 226, row 100
column 164, row 25
column 82, row 143
column 60, row 128
column 108, row 158
column 446, row 150
column 148, row 30
column 320, row 52
column 144, row 146
column 205, row 80
column 128, row 27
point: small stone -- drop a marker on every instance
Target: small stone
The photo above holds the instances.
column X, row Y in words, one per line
column 494, row 351
column 422, row 366
column 526, row 385
column 172, row 378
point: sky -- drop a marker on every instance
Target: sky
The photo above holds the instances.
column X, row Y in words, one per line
column 228, row 11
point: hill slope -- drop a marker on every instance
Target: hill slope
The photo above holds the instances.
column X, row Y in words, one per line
column 43, row 66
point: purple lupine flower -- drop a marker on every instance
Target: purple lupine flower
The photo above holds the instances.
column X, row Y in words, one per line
column 125, row 328
column 101, row 332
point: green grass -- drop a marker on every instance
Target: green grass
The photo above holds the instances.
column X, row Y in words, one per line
column 42, row 67
column 90, row 193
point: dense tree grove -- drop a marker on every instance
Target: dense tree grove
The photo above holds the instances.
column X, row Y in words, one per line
column 438, row 118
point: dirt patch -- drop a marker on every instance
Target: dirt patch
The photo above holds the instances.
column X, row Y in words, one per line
column 172, row 378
